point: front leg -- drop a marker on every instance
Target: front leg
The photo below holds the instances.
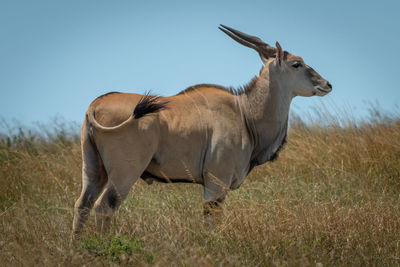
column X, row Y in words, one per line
column 214, row 193
column 213, row 212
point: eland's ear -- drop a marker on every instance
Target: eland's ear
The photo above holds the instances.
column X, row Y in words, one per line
column 279, row 54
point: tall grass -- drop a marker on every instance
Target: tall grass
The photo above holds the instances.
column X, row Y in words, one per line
column 332, row 198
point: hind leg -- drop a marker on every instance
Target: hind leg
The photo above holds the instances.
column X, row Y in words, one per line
column 117, row 189
column 109, row 201
column 124, row 169
column 94, row 178
column 126, row 153
column 105, row 206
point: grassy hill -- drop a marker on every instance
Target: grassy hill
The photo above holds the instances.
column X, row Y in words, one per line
column 332, row 198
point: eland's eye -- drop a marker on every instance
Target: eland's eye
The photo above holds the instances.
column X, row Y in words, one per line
column 296, row 65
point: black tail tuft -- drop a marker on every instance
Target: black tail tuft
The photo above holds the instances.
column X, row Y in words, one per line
column 148, row 104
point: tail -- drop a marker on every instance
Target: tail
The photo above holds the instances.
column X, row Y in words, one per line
column 147, row 104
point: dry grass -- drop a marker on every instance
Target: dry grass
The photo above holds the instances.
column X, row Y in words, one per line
column 332, row 198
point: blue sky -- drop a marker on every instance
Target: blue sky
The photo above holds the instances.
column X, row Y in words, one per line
column 57, row 56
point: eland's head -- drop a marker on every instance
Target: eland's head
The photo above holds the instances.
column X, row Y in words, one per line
column 289, row 70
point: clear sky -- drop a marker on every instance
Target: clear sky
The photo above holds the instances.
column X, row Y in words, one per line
column 57, row 56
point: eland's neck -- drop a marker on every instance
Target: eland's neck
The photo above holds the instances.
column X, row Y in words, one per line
column 266, row 109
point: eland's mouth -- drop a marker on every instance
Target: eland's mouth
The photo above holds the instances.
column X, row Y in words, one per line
column 323, row 90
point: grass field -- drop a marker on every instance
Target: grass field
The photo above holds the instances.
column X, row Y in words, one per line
column 332, row 198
